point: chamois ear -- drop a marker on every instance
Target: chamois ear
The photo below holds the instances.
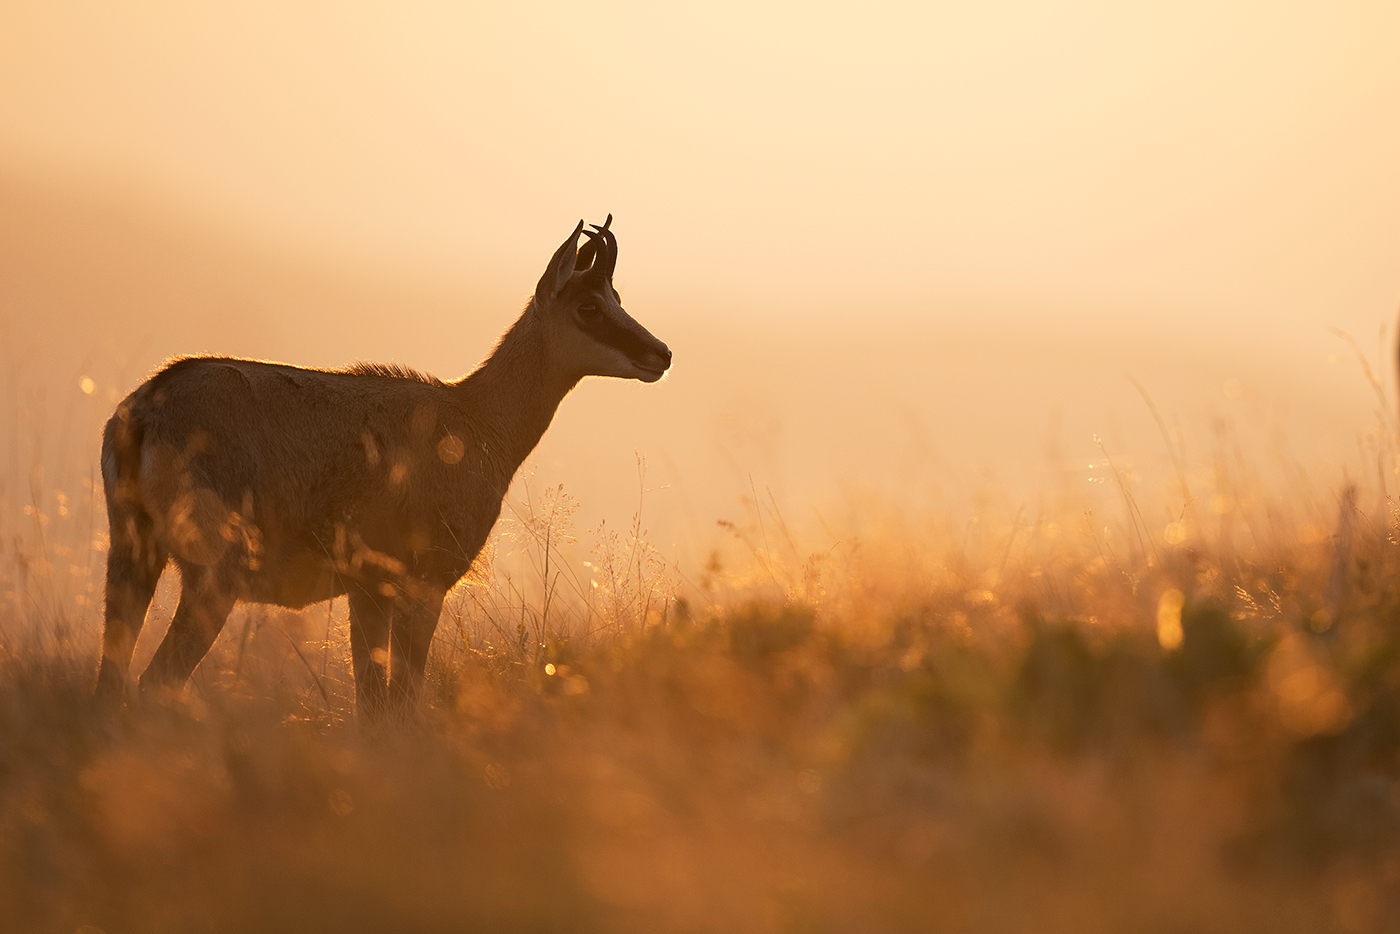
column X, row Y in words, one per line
column 560, row 267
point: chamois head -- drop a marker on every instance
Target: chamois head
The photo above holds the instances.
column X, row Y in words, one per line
column 587, row 333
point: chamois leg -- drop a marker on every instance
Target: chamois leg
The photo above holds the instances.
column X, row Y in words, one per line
column 411, row 635
column 369, row 651
column 134, row 564
column 205, row 602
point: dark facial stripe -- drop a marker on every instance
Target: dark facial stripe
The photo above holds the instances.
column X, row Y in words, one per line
column 615, row 334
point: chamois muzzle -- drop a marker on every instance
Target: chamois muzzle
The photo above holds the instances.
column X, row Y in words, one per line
column 655, row 362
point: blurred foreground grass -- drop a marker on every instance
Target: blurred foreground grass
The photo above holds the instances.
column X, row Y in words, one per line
column 1014, row 725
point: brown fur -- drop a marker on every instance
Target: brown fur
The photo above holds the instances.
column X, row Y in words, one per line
column 277, row 484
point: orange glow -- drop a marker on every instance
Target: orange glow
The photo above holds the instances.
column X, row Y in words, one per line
column 979, row 563
column 904, row 248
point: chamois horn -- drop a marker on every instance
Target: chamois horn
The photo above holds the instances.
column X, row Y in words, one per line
column 591, row 249
column 607, row 252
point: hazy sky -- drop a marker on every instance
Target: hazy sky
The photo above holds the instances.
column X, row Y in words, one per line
column 987, row 211
column 1192, row 157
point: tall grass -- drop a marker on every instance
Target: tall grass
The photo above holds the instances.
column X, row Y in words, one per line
column 1123, row 708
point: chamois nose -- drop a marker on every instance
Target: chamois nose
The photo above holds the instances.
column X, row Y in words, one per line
column 666, row 354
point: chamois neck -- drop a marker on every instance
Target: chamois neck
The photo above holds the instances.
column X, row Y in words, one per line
column 513, row 395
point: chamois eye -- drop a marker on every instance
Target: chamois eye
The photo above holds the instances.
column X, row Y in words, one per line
column 588, row 310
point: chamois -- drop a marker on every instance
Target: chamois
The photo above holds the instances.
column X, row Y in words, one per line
column 272, row 483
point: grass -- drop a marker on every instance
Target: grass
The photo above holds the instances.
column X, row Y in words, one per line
column 1045, row 720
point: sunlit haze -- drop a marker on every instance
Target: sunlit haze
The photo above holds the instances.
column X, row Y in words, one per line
column 1012, row 543
column 892, row 246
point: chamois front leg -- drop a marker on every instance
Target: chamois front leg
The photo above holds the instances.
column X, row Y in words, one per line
column 389, row 640
column 415, row 620
column 370, row 615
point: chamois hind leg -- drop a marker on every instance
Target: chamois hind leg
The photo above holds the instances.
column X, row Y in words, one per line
column 135, row 561
column 369, row 650
column 205, row 602
column 411, row 635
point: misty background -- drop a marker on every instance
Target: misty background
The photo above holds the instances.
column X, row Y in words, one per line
column 908, row 251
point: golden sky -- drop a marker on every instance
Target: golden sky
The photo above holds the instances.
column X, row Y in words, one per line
column 1035, row 197
column 1208, row 156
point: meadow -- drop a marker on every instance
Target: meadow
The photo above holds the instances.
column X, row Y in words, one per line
column 1156, row 704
